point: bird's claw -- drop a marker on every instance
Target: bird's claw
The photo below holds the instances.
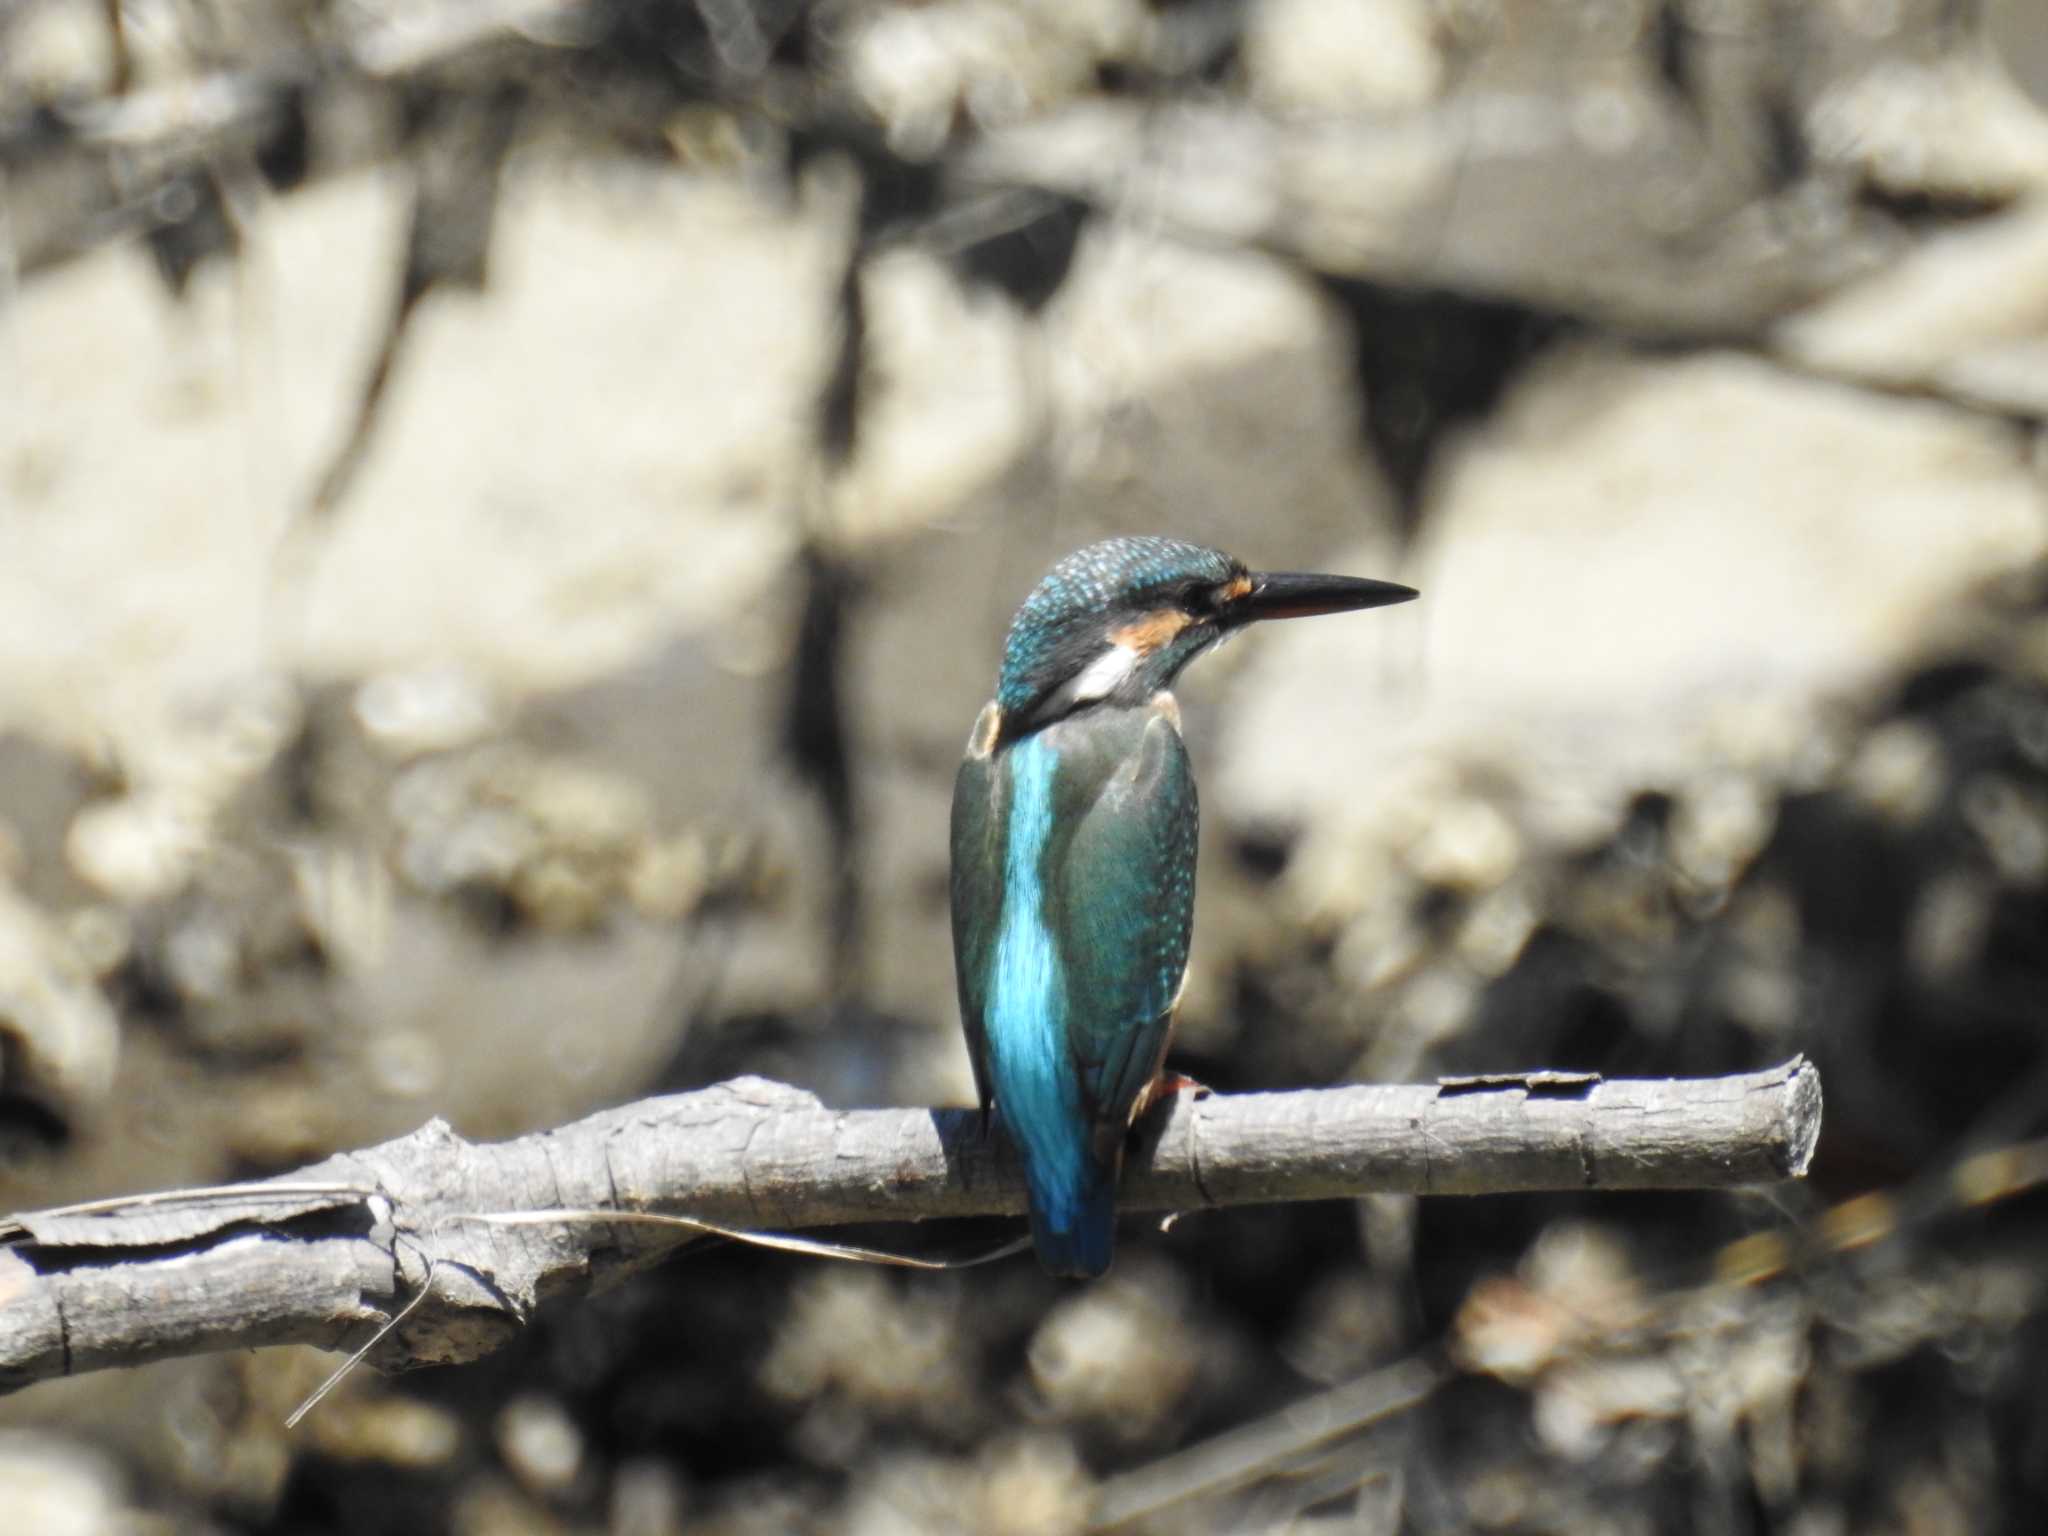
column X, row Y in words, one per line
column 1167, row 1085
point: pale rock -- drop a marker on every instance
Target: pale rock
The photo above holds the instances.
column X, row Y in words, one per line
column 541, row 1443
column 1954, row 125
column 1123, row 1352
column 56, row 1486
column 916, row 67
column 425, row 709
column 1899, row 772
column 1368, row 56
column 1635, row 553
column 138, row 848
column 62, row 1036
column 1964, row 311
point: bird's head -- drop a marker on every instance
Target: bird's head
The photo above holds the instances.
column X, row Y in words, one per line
column 1115, row 622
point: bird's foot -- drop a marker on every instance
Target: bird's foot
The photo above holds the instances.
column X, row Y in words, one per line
column 1168, row 1085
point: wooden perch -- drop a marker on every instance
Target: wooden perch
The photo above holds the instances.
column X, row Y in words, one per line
column 329, row 1254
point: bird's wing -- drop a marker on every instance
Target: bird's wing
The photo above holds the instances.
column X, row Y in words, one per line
column 979, row 817
column 1125, row 882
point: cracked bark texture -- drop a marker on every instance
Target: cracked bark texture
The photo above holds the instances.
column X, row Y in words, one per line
column 328, row 1254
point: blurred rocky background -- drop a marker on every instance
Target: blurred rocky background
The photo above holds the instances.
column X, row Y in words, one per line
column 507, row 511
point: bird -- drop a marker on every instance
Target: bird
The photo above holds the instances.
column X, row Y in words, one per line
column 1073, row 858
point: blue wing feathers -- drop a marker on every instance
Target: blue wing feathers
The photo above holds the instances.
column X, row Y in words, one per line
column 1127, row 889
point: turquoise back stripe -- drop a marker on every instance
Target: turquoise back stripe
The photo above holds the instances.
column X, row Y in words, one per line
column 1035, row 1086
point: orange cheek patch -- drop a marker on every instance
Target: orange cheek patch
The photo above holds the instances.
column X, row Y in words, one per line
column 1152, row 631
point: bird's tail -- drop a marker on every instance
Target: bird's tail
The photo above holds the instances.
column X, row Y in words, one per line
column 1073, row 1217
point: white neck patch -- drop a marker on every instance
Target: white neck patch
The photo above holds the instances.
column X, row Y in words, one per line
column 1105, row 674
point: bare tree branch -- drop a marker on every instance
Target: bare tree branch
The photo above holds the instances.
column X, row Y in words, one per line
column 327, row 1255
column 1231, row 1460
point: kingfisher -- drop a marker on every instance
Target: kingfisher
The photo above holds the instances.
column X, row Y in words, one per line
column 1073, row 886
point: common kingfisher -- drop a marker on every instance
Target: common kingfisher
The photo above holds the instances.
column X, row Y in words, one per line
column 1074, row 826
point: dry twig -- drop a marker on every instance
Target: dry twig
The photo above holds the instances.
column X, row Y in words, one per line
column 329, row 1254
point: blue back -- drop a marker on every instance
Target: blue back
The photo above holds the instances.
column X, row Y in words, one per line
column 1073, row 902
column 1027, row 1000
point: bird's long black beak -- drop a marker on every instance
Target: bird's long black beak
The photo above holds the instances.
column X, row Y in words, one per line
column 1294, row 595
